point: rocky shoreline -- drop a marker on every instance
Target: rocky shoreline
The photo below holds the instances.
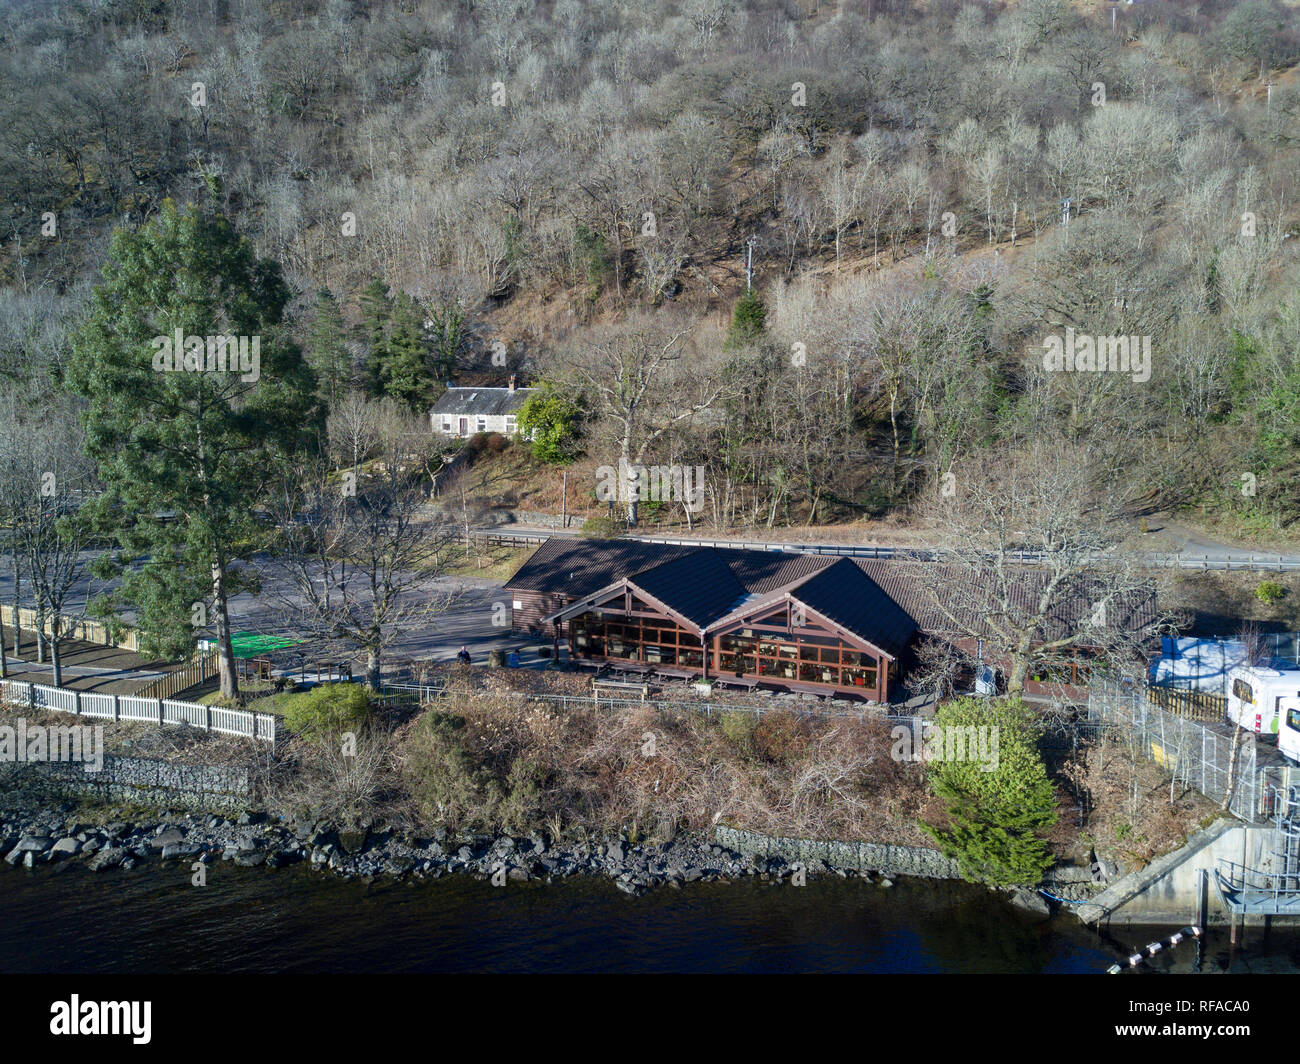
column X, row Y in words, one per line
column 252, row 839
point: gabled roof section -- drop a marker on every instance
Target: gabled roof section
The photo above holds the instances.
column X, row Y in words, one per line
column 474, row 401
column 843, row 593
column 578, row 567
column 588, row 602
column 699, row 585
column 764, row 571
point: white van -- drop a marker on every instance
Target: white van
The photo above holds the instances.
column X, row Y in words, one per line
column 1288, row 736
column 1256, row 695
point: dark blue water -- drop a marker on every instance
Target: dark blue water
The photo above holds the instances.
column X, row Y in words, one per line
column 152, row 920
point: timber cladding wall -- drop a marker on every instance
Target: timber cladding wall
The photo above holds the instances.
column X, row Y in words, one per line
column 527, row 608
column 862, row 856
column 146, row 781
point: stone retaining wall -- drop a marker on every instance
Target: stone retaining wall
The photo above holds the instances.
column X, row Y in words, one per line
column 862, row 856
column 139, row 780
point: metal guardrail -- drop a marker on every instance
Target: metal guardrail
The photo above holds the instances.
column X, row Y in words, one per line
column 1158, row 559
column 1252, row 890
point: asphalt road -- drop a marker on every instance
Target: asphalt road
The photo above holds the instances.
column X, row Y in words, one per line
column 469, row 621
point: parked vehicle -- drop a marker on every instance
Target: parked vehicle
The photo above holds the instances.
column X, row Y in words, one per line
column 1257, row 694
column 1288, row 736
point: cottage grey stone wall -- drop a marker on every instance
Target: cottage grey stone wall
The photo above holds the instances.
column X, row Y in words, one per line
column 139, row 780
column 862, row 856
column 535, row 519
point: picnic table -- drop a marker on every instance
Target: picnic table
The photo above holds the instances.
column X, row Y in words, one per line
column 618, row 688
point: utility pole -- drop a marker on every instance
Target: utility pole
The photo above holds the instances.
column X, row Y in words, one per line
column 564, row 502
column 749, row 262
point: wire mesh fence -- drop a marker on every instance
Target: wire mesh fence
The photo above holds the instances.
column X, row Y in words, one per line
column 1209, row 756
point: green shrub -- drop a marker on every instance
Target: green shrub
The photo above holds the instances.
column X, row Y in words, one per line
column 521, row 803
column 739, row 728
column 553, row 419
column 443, row 777
column 328, row 709
column 603, row 527
column 995, row 818
column 1269, row 591
column 748, row 321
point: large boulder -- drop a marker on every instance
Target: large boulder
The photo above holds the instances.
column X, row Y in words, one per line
column 1031, row 902
column 106, row 859
column 353, row 841
column 170, row 837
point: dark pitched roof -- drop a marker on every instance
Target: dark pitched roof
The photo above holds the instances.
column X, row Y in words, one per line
column 577, row 568
column 893, row 602
column 481, row 400
column 699, row 586
column 842, row 592
column 764, row 571
column 915, row 586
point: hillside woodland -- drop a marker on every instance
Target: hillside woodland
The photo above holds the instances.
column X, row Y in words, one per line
column 568, row 191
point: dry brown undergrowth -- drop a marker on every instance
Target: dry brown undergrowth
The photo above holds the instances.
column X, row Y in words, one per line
column 1128, row 813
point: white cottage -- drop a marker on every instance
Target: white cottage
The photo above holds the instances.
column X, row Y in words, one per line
column 463, row 412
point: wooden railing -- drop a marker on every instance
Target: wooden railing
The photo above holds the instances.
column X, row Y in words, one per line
column 1194, row 705
column 83, row 628
column 181, row 679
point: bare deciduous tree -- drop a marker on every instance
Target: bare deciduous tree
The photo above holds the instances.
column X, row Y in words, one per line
column 1031, row 572
column 357, row 571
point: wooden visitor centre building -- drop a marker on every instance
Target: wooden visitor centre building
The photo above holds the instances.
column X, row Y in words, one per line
column 811, row 623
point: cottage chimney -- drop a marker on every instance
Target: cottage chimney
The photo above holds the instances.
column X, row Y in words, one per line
column 512, row 384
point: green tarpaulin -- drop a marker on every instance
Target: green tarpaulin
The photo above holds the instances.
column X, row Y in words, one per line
column 252, row 645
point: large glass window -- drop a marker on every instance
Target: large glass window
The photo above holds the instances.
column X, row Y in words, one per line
column 653, row 640
column 798, row 657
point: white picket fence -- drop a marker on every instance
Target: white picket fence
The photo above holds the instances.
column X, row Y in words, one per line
column 152, row 710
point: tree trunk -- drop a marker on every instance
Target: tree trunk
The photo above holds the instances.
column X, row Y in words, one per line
column 893, row 426
column 54, row 657
column 630, row 477
column 1016, row 675
column 18, row 628
column 1233, row 751
column 225, row 652
column 373, row 668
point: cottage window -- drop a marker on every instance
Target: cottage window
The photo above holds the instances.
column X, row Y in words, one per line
column 446, row 424
column 482, row 424
column 510, row 423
